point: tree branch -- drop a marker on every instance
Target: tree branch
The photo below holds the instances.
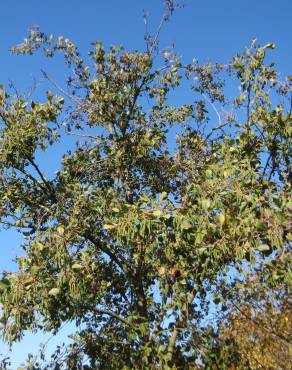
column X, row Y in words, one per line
column 100, row 311
column 48, row 186
column 104, row 248
column 260, row 325
column 28, row 175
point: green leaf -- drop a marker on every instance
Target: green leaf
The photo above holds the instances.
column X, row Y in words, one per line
column 261, row 225
column 77, row 266
column 205, row 203
column 208, row 173
column 220, row 219
column 186, row 225
column 54, row 292
column 263, row 247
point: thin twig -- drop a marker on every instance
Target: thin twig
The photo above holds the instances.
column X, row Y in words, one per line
column 214, row 108
column 71, row 97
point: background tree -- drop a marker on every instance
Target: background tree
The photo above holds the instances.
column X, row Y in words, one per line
column 141, row 239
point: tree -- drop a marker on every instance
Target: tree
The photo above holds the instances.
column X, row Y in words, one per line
column 257, row 333
column 165, row 253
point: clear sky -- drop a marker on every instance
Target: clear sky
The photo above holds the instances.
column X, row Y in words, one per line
column 205, row 30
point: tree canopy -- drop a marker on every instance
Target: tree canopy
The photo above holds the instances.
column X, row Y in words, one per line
column 165, row 235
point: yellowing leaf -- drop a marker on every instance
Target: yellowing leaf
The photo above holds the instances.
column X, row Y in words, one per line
column 60, row 230
column 109, row 226
column 157, row 213
column 163, row 196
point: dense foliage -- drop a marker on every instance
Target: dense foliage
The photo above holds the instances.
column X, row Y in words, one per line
column 164, row 236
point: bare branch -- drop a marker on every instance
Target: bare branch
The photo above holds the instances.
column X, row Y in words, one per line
column 64, row 92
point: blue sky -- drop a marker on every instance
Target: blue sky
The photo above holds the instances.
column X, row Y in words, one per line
column 205, row 30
